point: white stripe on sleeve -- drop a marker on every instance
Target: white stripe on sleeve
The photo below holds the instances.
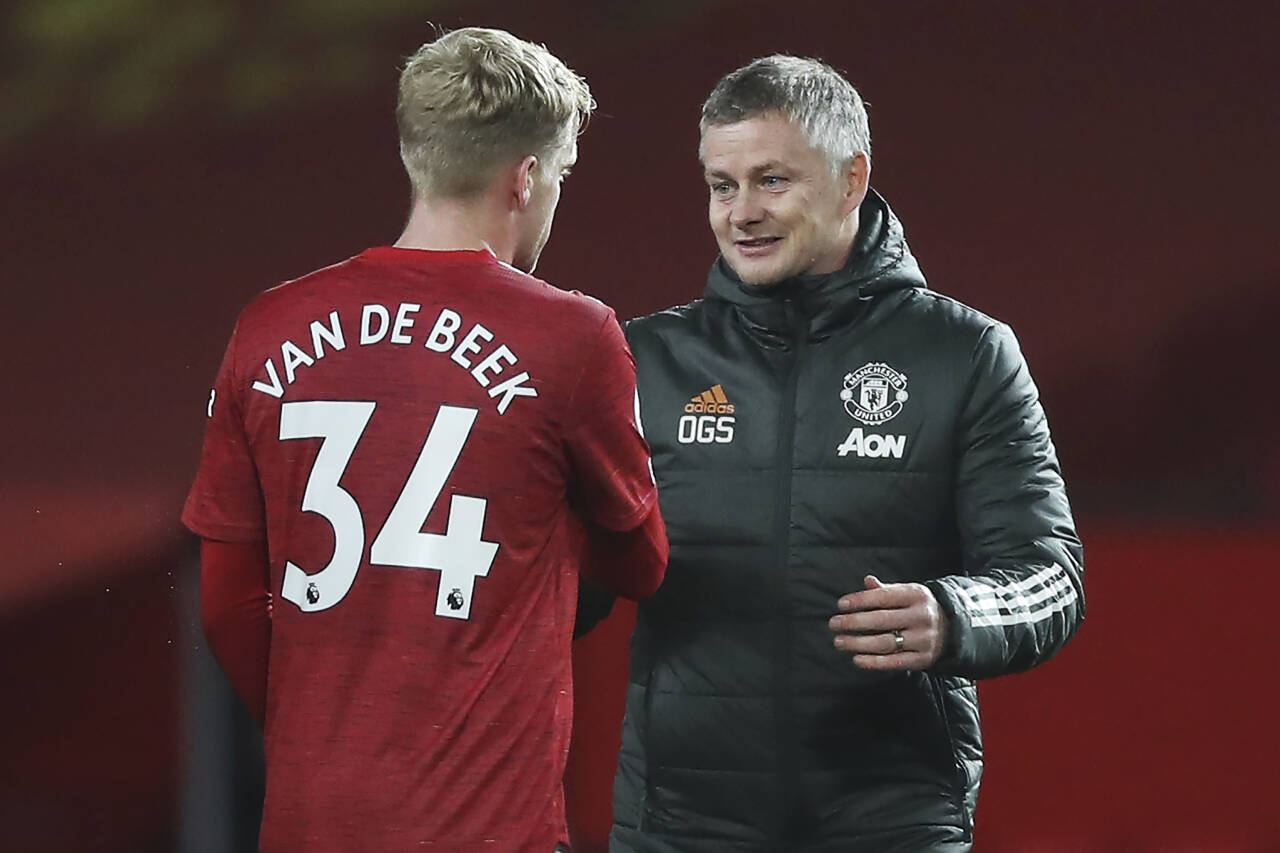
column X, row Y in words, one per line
column 1030, row 600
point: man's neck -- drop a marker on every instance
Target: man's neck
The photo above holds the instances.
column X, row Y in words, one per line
column 456, row 224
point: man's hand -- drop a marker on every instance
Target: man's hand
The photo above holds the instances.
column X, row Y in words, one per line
column 890, row 626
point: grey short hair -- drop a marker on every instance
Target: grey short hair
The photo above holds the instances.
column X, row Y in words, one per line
column 808, row 92
column 476, row 97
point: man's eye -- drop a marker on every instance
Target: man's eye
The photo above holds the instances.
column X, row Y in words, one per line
column 773, row 181
column 721, row 188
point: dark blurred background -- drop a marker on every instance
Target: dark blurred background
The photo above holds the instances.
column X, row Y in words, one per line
column 1101, row 175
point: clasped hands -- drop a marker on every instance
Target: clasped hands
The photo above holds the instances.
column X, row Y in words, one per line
column 896, row 626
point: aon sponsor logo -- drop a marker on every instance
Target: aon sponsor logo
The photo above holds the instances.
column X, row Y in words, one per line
column 705, row 429
column 874, row 446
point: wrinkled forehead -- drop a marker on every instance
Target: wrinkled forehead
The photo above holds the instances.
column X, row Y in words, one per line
column 756, row 142
column 738, row 120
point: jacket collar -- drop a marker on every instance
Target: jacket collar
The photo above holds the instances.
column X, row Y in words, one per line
column 879, row 262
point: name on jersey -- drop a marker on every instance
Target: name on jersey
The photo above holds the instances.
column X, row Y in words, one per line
column 387, row 326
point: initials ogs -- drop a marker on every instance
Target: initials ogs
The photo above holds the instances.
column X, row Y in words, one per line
column 705, row 429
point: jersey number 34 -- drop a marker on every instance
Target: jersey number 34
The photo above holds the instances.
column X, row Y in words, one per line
column 459, row 554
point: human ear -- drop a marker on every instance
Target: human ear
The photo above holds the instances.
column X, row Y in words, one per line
column 858, row 177
column 523, row 181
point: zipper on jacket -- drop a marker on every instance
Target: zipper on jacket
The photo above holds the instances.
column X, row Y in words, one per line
column 789, row 788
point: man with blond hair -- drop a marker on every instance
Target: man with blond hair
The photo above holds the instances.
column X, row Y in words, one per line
column 407, row 457
column 865, row 508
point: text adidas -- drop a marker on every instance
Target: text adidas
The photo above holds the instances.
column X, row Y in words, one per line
column 700, row 423
column 709, row 408
column 872, row 446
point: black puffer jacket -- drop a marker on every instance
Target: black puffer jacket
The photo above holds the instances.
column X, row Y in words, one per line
column 805, row 435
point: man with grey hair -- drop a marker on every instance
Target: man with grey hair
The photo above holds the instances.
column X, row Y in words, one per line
column 407, row 455
column 864, row 507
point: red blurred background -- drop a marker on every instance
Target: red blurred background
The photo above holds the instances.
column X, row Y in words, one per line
column 1099, row 175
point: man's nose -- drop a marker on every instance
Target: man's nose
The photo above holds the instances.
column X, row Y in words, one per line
column 746, row 209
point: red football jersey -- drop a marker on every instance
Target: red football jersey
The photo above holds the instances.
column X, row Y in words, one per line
column 406, row 429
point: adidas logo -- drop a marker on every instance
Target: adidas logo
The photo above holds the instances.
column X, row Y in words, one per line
column 708, row 418
column 712, row 401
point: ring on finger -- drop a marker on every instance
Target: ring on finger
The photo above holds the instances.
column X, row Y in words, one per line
column 899, row 641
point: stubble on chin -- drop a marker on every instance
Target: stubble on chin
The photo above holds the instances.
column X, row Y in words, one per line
column 756, row 276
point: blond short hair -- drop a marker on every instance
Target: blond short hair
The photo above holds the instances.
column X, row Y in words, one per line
column 475, row 99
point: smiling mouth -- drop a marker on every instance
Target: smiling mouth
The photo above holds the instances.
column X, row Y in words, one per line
column 756, row 243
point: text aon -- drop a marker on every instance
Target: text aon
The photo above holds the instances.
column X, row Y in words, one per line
column 872, row 446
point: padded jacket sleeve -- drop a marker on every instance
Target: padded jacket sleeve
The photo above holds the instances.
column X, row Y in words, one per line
column 1021, row 597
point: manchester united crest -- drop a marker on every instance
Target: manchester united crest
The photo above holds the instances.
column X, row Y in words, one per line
column 874, row 393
